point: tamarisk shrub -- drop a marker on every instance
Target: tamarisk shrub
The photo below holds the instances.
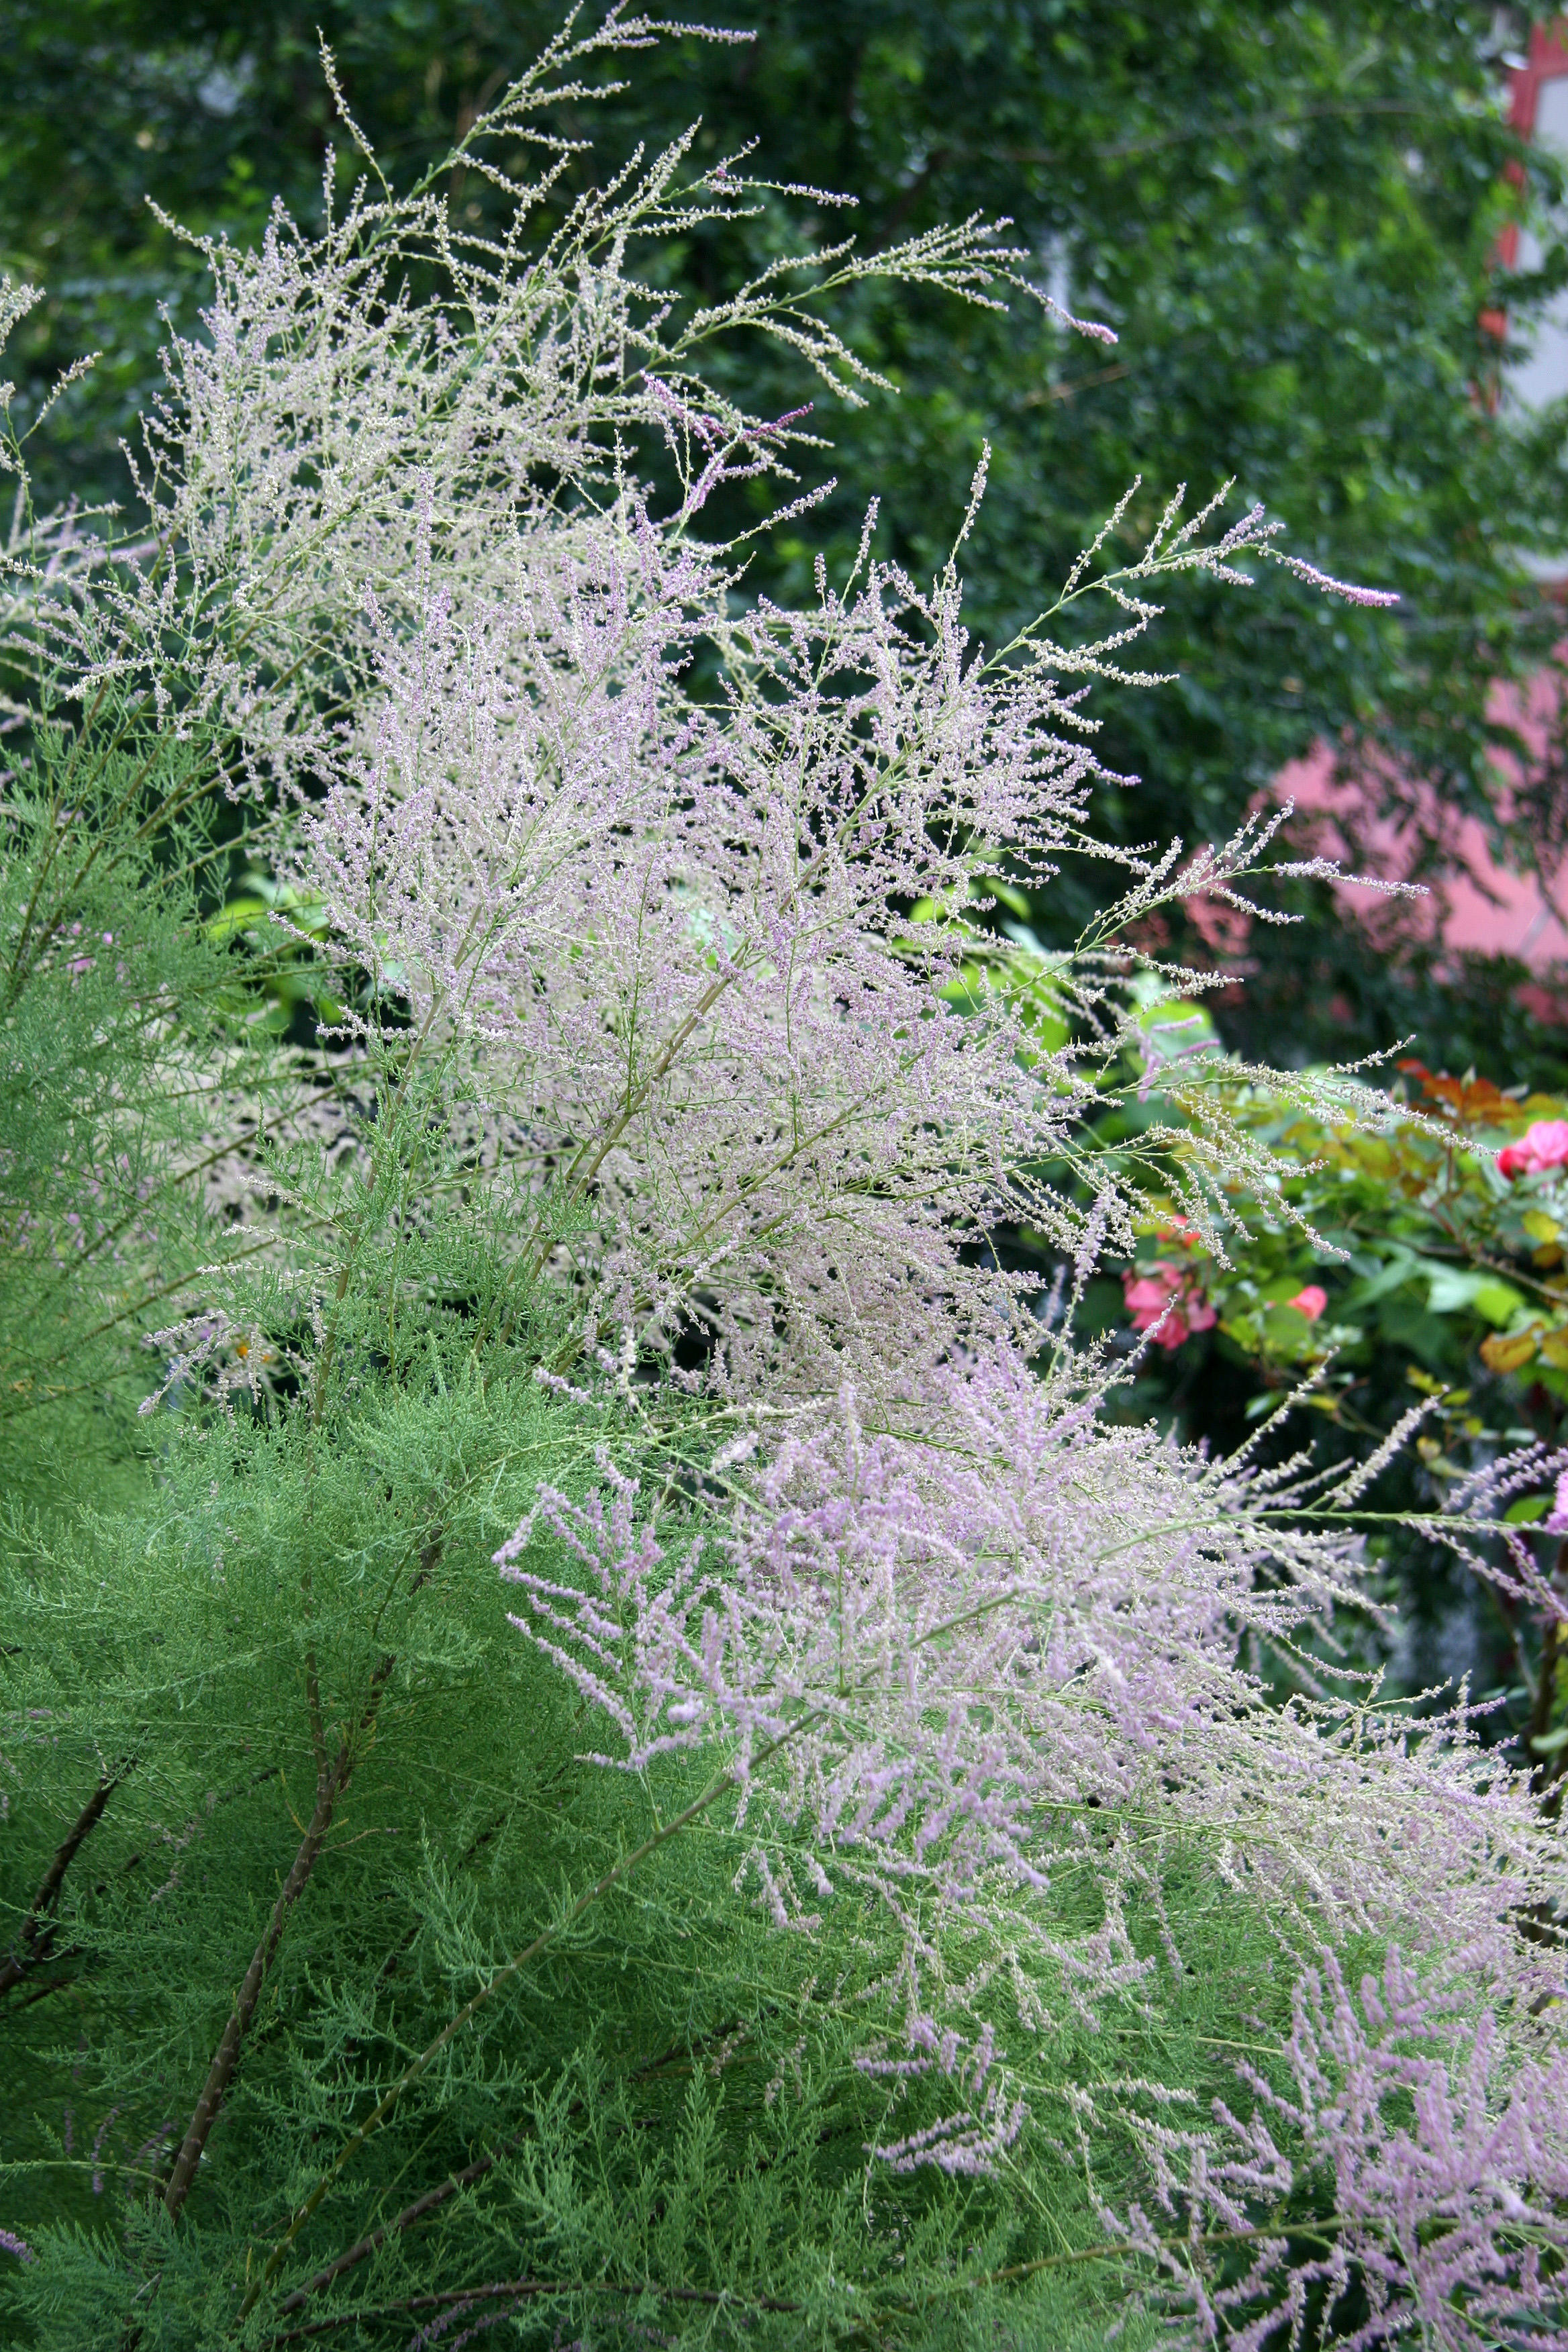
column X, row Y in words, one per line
column 632, row 1753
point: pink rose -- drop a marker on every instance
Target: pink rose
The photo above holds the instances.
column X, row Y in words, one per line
column 1544, row 1144
column 1310, row 1302
column 1557, row 1521
column 1170, row 1297
column 1557, row 1517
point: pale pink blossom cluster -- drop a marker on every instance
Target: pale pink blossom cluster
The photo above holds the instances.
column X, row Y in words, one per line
column 280, row 468
column 681, row 893
column 663, row 938
column 958, row 1667
column 1435, row 2161
column 663, row 943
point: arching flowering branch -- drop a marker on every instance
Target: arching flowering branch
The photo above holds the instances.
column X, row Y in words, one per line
column 1435, row 2170
column 990, row 1631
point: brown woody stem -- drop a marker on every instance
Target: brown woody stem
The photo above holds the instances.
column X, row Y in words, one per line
column 24, row 1950
column 428, row 2203
column 330, row 1785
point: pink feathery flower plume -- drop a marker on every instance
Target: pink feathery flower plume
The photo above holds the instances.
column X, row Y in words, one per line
column 968, row 1657
column 1436, row 2172
column 1325, row 580
column 923, row 1659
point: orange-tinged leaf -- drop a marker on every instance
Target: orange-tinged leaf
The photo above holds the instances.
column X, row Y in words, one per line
column 1506, row 1351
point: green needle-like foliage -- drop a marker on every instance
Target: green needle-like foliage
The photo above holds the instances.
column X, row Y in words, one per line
column 295, row 1645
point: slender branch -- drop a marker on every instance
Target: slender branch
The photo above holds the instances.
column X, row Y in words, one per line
column 45, row 1945
column 23, row 1953
column 226, row 2057
column 522, row 2290
column 313, row 1708
column 421, row 2065
column 330, row 1786
column 428, row 2203
column 434, row 2198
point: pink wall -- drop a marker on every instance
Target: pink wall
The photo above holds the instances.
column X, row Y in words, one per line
column 1477, row 905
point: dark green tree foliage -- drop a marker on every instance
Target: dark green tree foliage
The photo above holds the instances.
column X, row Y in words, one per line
column 1288, row 213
